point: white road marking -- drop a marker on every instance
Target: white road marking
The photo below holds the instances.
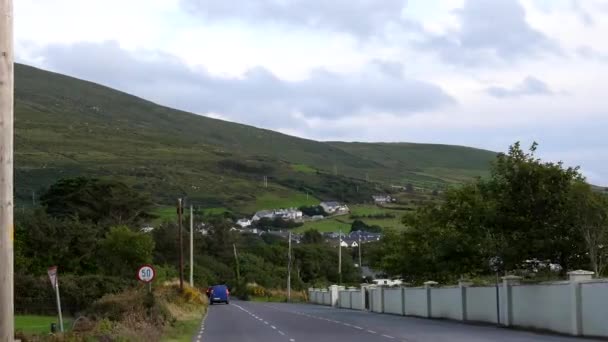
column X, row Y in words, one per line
column 388, row 336
column 292, row 340
column 371, row 332
column 357, row 327
column 282, row 333
column 265, row 322
column 273, row 327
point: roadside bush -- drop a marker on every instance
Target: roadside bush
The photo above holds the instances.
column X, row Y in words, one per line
column 34, row 295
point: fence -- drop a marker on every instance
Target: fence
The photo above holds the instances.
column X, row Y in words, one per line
column 577, row 307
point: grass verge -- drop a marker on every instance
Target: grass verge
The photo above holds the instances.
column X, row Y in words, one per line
column 34, row 324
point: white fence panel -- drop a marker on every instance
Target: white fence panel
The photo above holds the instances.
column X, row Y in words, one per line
column 481, row 304
column 326, row 298
column 415, row 302
column 393, row 301
column 356, row 301
column 376, row 297
column 543, row 307
column 446, row 303
column 594, row 300
column 344, row 299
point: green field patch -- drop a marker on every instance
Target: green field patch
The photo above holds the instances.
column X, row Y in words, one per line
column 32, row 324
column 303, row 168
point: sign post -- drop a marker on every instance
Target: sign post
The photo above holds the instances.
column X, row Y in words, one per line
column 146, row 274
column 52, row 271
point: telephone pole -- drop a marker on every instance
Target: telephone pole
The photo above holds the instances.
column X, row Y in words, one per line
column 7, row 320
column 360, row 264
column 180, row 211
column 289, row 270
column 191, row 246
column 340, row 259
column 238, row 270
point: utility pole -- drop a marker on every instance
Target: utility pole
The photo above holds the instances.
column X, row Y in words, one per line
column 236, row 260
column 191, row 246
column 367, row 177
column 289, row 270
column 180, row 211
column 34, row 198
column 360, row 264
column 7, row 320
column 340, row 259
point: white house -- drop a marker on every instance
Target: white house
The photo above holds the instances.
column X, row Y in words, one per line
column 263, row 214
column 285, row 214
column 349, row 243
column 334, row 207
column 382, row 199
column 244, row 223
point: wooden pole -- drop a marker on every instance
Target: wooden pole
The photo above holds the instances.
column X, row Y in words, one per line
column 191, row 246
column 238, row 270
column 180, row 211
column 7, row 320
column 340, row 259
column 289, row 270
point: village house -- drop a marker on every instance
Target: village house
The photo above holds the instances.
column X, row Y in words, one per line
column 382, row 199
column 333, row 207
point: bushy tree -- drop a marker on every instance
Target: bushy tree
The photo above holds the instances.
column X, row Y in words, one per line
column 122, row 251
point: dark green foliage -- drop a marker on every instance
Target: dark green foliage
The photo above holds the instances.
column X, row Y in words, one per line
column 526, row 210
column 122, row 251
column 34, row 294
column 359, row 225
column 315, row 210
column 278, row 223
column 100, row 201
column 312, row 236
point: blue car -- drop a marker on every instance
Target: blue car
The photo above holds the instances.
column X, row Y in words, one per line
column 219, row 294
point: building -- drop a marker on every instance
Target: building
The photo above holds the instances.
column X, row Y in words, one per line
column 388, row 282
column 349, row 243
column 263, row 214
column 285, row 214
column 334, row 207
column 244, row 223
column 382, row 199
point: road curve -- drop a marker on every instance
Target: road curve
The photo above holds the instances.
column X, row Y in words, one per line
column 274, row 322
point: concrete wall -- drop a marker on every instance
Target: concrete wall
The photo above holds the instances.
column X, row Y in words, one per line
column 376, row 300
column 393, row 303
column 446, row 303
column 481, row 304
column 344, row 301
column 326, row 298
column 594, row 301
column 356, row 301
column 577, row 307
column 415, row 302
column 543, row 307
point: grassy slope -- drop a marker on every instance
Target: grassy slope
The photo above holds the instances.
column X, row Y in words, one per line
column 66, row 127
column 344, row 222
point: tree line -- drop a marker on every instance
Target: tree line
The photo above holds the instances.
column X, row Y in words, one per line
column 528, row 215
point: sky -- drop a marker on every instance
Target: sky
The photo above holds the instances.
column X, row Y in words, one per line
column 481, row 73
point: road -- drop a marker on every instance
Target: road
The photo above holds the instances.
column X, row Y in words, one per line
column 274, row 322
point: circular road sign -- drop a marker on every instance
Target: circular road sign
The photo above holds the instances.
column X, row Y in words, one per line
column 146, row 273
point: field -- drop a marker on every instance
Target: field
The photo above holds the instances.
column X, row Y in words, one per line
column 344, row 222
column 39, row 324
column 66, row 127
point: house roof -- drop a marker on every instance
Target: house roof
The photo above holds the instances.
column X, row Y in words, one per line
column 331, row 204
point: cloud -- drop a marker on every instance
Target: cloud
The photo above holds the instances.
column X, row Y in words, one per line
column 257, row 97
column 528, row 87
column 590, row 53
column 490, row 32
column 360, row 17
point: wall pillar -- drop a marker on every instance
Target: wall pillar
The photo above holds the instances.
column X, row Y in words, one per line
column 382, row 299
column 403, row 301
column 428, row 285
column 463, row 285
column 576, row 313
column 334, row 296
column 507, row 302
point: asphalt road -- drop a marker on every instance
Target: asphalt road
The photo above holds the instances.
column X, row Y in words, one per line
column 271, row 322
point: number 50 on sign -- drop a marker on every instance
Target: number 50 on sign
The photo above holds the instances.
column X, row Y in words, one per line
column 146, row 273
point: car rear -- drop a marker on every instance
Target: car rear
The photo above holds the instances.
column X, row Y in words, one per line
column 219, row 294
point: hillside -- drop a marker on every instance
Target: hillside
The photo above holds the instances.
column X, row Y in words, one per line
column 66, row 127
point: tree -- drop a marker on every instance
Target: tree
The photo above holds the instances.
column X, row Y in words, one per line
column 100, row 201
column 123, row 251
column 312, row 236
column 590, row 210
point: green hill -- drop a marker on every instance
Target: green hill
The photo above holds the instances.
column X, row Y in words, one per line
column 65, row 127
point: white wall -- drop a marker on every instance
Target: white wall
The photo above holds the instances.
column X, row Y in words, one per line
column 376, row 297
column 594, row 303
column 446, row 303
column 326, row 298
column 344, row 301
column 543, row 307
column 415, row 302
column 481, row 304
column 356, row 301
column 393, row 301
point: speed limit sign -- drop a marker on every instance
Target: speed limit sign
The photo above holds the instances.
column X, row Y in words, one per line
column 146, row 273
